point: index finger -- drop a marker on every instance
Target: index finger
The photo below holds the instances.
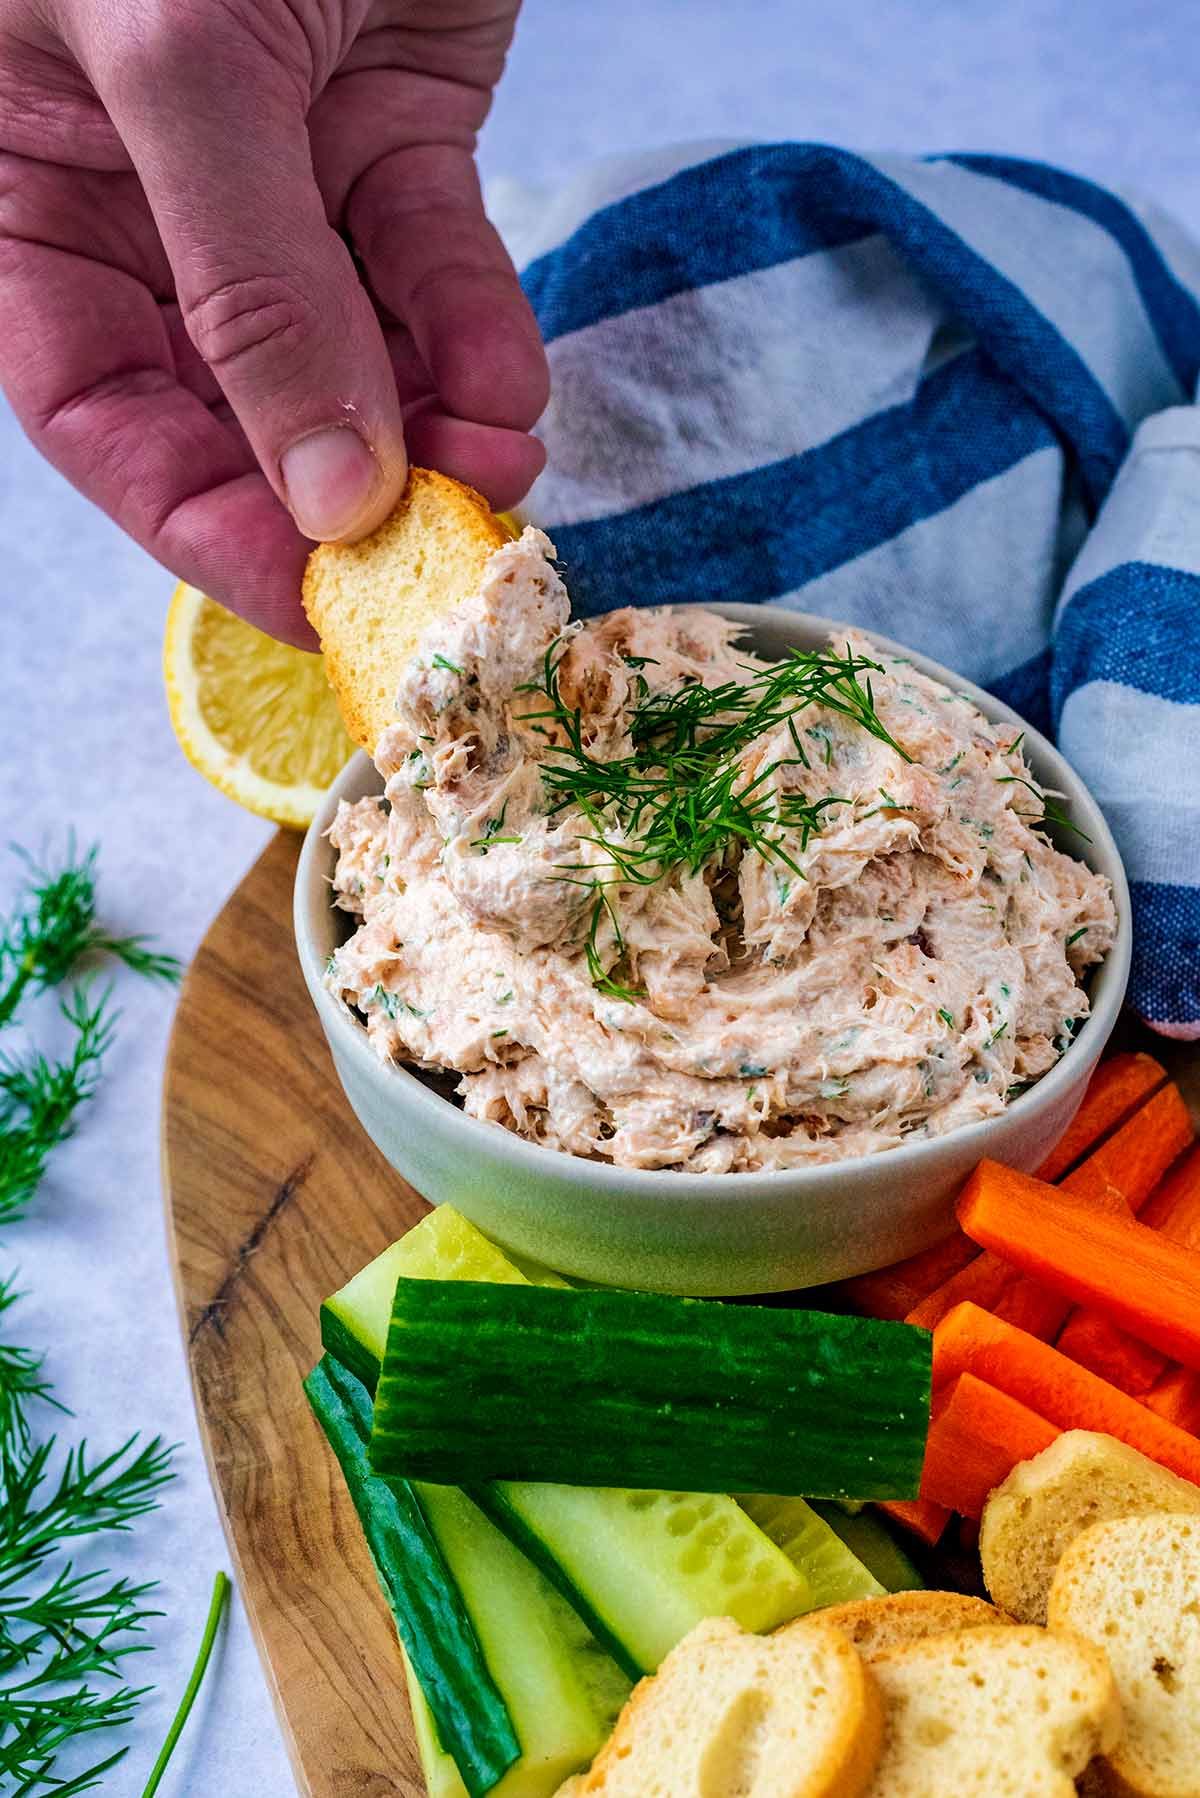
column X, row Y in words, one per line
column 86, row 362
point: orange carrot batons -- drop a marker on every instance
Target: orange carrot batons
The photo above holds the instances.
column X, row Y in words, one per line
column 1127, row 1272
column 1069, row 1396
column 1174, row 1206
column 920, row 1516
column 892, row 1292
column 1118, row 1086
column 1113, row 1353
column 1135, row 1158
column 976, row 1437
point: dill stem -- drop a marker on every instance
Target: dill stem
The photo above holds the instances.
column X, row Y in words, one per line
column 220, row 1596
column 20, row 980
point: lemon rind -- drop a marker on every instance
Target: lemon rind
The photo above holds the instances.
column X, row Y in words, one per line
column 293, row 806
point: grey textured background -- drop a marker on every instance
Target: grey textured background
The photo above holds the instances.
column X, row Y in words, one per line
column 1107, row 88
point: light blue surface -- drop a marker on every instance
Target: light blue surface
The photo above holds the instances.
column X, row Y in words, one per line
column 1103, row 87
column 1109, row 89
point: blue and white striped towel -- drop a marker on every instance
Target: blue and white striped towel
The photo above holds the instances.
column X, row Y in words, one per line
column 948, row 399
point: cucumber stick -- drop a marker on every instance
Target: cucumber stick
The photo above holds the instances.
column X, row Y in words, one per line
column 483, row 1382
column 645, row 1566
column 874, row 1545
column 562, row 1690
column 641, row 1566
column 557, row 1689
column 433, row 1623
column 443, row 1246
column 833, row 1572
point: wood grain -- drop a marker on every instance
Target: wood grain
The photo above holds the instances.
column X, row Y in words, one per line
column 274, row 1197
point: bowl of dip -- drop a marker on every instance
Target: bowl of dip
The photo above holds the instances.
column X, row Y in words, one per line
column 700, row 1227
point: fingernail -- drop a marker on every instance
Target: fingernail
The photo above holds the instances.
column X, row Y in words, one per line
column 329, row 479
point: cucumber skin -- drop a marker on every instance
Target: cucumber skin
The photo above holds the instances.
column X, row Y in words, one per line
column 342, row 1345
column 471, row 1717
column 484, row 1382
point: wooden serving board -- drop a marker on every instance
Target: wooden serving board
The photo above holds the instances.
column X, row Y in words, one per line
column 275, row 1196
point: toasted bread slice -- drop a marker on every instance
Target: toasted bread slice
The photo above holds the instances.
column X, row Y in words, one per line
column 784, row 1716
column 1000, row 1713
column 1081, row 1479
column 875, row 1625
column 370, row 602
column 1132, row 1585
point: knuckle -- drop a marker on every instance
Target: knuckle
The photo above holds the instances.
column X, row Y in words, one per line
column 163, row 39
column 251, row 322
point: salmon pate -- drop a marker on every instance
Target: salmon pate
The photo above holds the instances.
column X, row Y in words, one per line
column 659, row 902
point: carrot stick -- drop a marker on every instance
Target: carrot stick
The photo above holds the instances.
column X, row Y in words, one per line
column 982, row 1281
column 924, row 1288
column 1135, row 1158
column 1144, row 1150
column 1112, row 1353
column 1174, row 1207
column 1177, row 1398
column 918, row 1515
column 969, row 1341
column 1118, row 1086
column 1129, row 1273
column 991, row 1281
column 1033, row 1307
column 892, row 1292
column 977, row 1435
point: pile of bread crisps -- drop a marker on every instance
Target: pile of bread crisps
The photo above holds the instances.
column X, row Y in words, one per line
column 1084, row 1668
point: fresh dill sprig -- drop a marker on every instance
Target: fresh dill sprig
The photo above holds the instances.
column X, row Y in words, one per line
column 212, row 1623
column 682, row 797
column 21, row 1384
column 39, row 1099
column 54, row 927
column 64, row 1635
column 1049, row 814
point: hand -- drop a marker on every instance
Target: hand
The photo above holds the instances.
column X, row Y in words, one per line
column 183, row 331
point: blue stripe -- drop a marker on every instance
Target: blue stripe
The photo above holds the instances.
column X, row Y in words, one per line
column 1027, row 690
column 753, row 208
column 688, row 231
column 751, row 537
column 1138, row 625
column 1165, row 982
column 1172, row 310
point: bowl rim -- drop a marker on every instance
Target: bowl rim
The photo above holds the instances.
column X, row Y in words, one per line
column 348, row 1037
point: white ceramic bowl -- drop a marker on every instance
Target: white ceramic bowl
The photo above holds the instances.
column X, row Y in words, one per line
column 703, row 1233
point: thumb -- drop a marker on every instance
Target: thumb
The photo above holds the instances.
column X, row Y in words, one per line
column 215, row 126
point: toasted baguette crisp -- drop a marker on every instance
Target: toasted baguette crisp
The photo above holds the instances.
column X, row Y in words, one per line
column 999, row 1713
column 794, row 1716
column 875, row 1625
column 1132, row 1585
column 1031, row 1518
column 370, row 602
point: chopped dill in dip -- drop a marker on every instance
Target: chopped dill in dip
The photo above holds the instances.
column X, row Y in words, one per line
column 659, row 902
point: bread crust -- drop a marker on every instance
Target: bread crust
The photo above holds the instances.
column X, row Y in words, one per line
column 943, row 1694
column 1035, row 1514
column 1132, row 1586
column 371, row 601
column 874, row 1625
column 631, row 1760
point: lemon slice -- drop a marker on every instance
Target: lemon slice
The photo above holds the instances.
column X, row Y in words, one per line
column 257, row 718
